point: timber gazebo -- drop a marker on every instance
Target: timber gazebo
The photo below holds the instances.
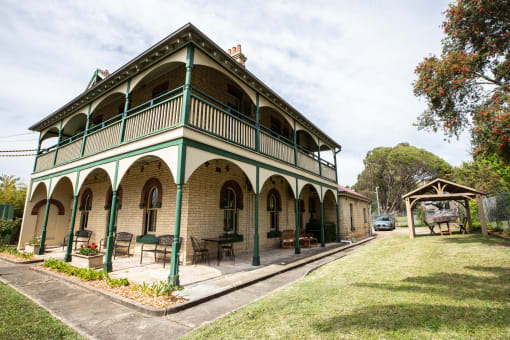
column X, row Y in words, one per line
column 443, row 190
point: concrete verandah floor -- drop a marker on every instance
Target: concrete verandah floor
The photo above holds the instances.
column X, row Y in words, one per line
column 149, row 271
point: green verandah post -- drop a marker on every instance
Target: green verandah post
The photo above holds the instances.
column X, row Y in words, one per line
column 186, row 95
column 111, row 225
column 256, row 256
column 257, row 125
column 297, row 250
column 38, row 151
column 323, row 241
column 68, row 257
column 59, row 139
column 181, row 167
column 124, row 114
column 338, row 239
column 87, row 126
column 45, row 221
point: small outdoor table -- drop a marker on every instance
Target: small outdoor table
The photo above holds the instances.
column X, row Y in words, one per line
column 219, row 241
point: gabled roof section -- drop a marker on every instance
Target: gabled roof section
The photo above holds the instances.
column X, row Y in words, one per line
column 443, row 188
column 169, row 45
column 97, row 77
column 344, row 190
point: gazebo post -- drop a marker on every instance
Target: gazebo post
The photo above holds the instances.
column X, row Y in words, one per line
column 468, row 216
column 410, row 220
column 481, row 214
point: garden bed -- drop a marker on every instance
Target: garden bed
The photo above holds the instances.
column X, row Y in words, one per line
column 11, row 254
column 143, row 294
column 499, row 234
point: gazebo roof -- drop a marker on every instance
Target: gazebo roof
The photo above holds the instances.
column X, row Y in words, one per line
column 442, row 190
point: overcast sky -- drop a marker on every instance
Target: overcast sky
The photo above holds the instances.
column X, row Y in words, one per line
column 346, row 65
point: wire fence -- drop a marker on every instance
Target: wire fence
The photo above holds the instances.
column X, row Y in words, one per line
column 497, row 209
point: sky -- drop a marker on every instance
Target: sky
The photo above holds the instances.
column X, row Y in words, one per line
column 348, row 66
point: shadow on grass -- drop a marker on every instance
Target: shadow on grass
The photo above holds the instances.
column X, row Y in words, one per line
column 492, row 291
column 455, row 285
column 476, row 239
column 406, row 317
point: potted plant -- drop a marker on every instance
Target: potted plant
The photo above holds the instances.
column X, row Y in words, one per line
column 88, row 257
column 33, row 245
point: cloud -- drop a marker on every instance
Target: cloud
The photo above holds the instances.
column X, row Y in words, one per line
column 347, row 66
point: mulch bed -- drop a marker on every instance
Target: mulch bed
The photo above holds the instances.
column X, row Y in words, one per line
column 16, row 258
column 127, row 292
column 497, row 233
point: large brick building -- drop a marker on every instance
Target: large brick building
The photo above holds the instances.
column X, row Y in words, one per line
column 181, row 140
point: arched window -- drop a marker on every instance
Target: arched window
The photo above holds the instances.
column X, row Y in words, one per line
column 230, row 212
column 85, row 207
column 151, row 210
column 231, row 200
column 274, row 206
column 273, row 213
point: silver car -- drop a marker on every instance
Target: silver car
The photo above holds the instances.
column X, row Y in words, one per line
column 384, row 223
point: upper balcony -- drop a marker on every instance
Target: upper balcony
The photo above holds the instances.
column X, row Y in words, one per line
column 218, row 104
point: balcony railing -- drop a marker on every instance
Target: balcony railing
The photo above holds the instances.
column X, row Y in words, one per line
column 206, row 114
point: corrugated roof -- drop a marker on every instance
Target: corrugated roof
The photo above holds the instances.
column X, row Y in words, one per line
column 341, row 188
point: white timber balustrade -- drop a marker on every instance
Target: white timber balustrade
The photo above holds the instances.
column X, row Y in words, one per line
column 209, row 118
column 307, row 162
column 328, row 172
column 102, row 139
column 45, row 161
column 69, row 151
column 154, row 119
column 275, row 148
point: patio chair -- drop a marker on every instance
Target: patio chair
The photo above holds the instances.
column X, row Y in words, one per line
column 81, row 236
column 122, row 240
column 164, row 242
column 199, row 252
column 228, row 250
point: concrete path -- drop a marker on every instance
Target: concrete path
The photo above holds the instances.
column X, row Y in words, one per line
column 97, row 317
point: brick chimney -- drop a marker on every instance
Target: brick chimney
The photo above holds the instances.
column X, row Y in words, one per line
column 235, row 52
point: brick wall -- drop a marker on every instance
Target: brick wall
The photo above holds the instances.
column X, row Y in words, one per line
column 361, row 228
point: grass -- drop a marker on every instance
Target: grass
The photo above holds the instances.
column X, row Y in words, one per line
column 451, row 287
column 20, row 318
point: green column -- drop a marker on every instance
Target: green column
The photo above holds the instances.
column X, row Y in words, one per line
column 323, row 241
column 58, row 144
column 174, row 267
column 67, row 257
column 319, row 154
column 297, row 250
column 126, row 108
column 295, row 145
column 256, row 256
column 37, row 153
column 338, row 239
column 87, row 125
column 336, row 168
column 109, row 241
column 45, row 223
column 257, row 125
column 186, row 96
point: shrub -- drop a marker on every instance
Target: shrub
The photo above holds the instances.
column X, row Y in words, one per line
column 9, row 230
column 12, row 250
column 34, row 241
column 161, row 288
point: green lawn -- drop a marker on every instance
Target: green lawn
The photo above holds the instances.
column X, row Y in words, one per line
column 20, row 318
column 450, row 287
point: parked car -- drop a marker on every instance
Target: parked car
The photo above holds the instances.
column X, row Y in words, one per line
column 384, row 223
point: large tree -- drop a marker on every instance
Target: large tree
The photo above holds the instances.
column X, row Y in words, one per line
column 467, row 87
column 13, row 192
column 396, row 171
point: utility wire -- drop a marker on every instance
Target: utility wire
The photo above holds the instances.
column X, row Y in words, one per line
column 25, row 155
column 19, row 134
column 28, row 150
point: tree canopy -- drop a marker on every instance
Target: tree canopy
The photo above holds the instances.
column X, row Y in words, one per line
column 468, row 86
column 13, row 192
column 396, row 171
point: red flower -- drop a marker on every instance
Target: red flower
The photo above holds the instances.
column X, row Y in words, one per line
column 81, row 246
column 88, row 246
